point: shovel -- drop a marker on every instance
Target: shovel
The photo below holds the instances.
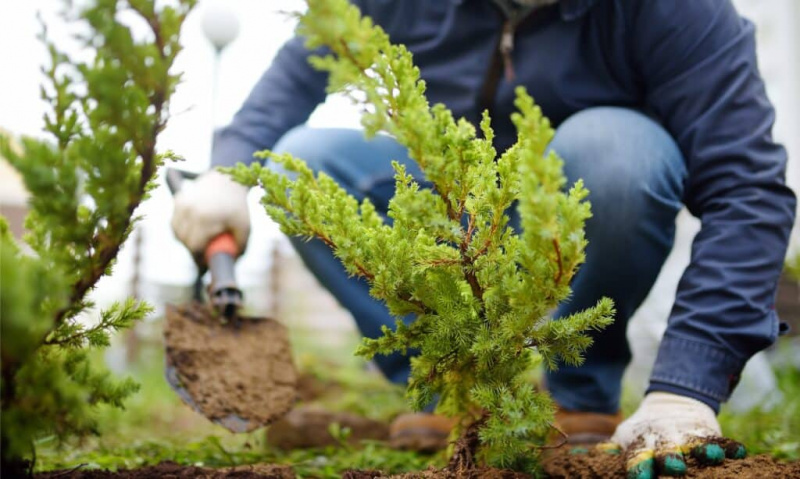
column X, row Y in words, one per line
column 235, row 370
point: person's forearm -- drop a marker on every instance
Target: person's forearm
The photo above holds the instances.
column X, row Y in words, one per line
column 283, row 98
column 724, row 308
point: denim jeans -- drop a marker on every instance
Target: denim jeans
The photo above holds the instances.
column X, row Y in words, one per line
column 635, row 174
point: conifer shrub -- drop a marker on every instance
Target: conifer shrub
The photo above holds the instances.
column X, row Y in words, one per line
column 85, row 182
column 482, row 293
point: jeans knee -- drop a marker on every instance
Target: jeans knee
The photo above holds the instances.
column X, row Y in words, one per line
column 625, row 159
column 311, row 145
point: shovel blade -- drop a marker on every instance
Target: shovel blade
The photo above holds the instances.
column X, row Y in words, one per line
column 240, row 375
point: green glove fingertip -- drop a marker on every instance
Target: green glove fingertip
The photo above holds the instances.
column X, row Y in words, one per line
column 641, row 466
column 708, row 454
column 734, row 450
column 672, row 464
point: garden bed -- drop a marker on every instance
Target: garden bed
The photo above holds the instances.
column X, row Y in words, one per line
column 157, row 427
column 599, row 465
column 176, row 471
column 561, row 464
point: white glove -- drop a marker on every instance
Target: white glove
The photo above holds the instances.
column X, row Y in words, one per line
column 667, row 426
column 208, row 206
column 665, row 420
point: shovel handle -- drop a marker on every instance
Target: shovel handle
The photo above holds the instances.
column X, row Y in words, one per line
column 224, row 243
column 220, row 257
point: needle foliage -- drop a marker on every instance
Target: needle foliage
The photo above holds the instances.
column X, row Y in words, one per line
column 85, row 182
column 482, row 292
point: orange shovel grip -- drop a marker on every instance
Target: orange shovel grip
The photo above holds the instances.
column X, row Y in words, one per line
column 224, row 243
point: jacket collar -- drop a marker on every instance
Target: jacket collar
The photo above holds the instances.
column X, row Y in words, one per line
column 570, row 9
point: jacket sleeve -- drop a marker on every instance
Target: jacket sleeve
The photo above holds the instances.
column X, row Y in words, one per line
column 698, row 70
column 283, row 98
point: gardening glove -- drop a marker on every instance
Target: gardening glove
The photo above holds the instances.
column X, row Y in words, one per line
column 665, row 428
column 208, row 206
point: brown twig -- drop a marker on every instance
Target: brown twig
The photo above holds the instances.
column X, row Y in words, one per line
column 105, row 252
column 70, row 471
column 468, row 263
column 563, row 440
column 488, row 242
column 442, row 262
column 558, row 258
column 439, row 361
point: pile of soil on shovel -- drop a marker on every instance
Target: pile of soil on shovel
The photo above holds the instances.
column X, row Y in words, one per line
column 242, row 370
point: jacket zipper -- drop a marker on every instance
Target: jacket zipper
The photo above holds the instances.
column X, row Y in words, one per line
column 506, row 47
column 501, row 64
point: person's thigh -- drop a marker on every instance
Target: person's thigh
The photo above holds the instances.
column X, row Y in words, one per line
column 363, row 167
column 635, row 173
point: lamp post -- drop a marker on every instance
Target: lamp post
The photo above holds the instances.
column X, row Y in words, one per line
column 221, row 27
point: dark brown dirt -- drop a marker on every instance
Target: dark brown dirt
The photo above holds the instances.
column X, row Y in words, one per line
column 594, row 465
column 599, row 465
column 231, row 372
column 307, row 427
column 479, row 473
column 175, row 471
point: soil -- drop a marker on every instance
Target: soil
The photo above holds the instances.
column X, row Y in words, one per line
column 479, row 473
column 175, row 471
column 307, row 427
column 593, row 465
column 600, row 465
column 240, row 375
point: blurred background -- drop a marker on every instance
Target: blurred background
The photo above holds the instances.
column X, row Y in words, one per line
column 155, row 267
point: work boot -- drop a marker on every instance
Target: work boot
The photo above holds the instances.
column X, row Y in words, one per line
column 421, row 432
column 309, row 426
column 586, row 427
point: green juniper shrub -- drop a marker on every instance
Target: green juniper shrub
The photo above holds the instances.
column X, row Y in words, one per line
column 482, row 292
column 85, row 183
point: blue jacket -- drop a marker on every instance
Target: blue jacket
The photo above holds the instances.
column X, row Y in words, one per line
column 689, row 64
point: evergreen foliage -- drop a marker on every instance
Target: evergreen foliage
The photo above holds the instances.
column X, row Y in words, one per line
column 84, row 186
column 482, row 293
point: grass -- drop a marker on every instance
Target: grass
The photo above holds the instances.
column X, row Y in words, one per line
column 775, row 431
column 212, row 451
column 156, row 426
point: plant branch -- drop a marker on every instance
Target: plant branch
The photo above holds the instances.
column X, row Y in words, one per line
column 468, row 264
column 106, row 251
column 562, row 440
column 558, row 259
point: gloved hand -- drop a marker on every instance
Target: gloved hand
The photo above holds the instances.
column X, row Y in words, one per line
column 664, row 428
column 210, row 205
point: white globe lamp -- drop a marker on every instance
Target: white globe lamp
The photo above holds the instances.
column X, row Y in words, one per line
column 220, row 25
